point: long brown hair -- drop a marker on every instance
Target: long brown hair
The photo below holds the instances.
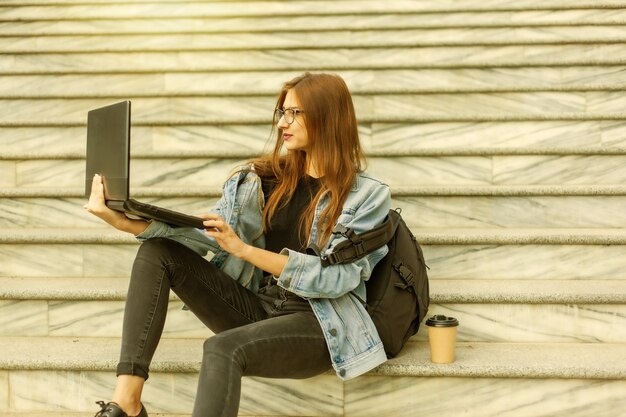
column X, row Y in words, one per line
column 333, row 144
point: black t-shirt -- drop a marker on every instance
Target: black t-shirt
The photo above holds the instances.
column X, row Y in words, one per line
column 284, row 225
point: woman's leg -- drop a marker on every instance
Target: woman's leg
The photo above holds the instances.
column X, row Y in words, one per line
column 288, row 346
column 162, row 264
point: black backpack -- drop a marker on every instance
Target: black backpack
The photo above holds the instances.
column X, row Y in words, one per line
column 397, row 291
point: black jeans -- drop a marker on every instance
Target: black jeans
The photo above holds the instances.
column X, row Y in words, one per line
column 255, row 335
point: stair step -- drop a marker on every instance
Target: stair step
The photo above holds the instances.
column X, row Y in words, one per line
column 522, row 256
column 172, row 385
column 398, row 172
column 489, row 310
column 421, row 81
column 485, row 291
column 316, row 60
column 419, row 211
column 294, row 8
column 399, row 192
column 495, row 360
column 424, row 235
column 405, row 108
column 273, row 24
column 435, row 139
column 364, row 397
column 419, row 171
column 332, row 39
column 84, row 414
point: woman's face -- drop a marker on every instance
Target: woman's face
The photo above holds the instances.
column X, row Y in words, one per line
column 295, row 136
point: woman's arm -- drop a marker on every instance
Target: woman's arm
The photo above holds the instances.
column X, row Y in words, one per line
column 228, row 240
column 271, row 262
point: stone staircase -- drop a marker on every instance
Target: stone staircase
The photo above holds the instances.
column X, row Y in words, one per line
column 500, row 127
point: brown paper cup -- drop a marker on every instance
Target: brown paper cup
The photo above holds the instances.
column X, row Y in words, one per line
column 442, row 338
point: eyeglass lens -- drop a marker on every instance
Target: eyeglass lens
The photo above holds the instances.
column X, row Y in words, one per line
column 289, row 114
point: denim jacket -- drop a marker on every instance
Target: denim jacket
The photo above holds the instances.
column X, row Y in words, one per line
column 352, row 339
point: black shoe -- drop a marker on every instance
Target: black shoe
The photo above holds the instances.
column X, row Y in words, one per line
column 111, row 409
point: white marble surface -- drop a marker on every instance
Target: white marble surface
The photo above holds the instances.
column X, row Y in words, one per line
column 397, row 172
column 231, row 138
column 427, row 57
column 268, row 83
column 23, row 317
column 381, row 107
column 177, row 9
column 482, row 397
column 445, row 261
column 108, row 260
column 50, row 139
column 69, row 212
column 559, row 169
column 175, row 172
column 4, row 390
column 528, row 323
column 7, row 178
column 525, row 261
column 416, row 137
column 104, row 318
column 402, row 139
column 322, row 396
column 523, row 323
column 487, row 361
column 278, row 23
column 513, row 212
column 338, row 38
column 66, row 260
column 153, row 110
column 49, row 260
column 418, row 211
column 174, row 393
column 450, row 105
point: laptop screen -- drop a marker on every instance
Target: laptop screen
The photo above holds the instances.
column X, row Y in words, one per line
column 108, row 148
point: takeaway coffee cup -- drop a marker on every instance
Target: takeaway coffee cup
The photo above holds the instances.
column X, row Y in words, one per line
column 442, row 338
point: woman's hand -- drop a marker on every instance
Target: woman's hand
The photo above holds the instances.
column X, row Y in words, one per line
column 97, row 206
column 224, row 235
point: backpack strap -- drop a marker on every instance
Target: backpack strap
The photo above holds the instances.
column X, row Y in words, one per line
column 357, row 245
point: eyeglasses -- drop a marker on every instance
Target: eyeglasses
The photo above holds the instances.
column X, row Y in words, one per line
column 288, row 114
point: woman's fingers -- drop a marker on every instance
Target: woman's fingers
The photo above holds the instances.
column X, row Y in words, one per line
column 213, row 221
column 96, row 198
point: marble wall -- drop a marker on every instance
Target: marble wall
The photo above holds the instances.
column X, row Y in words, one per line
column 446, row 261
column 378, row 138
column 482, row 397
column 173, row 393
column 430, row 212
column 312, row 59
column 481, row 322
column 397, row 172
column 324, row 396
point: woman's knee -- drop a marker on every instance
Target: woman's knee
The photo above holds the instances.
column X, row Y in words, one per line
column 157, row 246
column 160, row 252
column 153, row 257
column 224, row 344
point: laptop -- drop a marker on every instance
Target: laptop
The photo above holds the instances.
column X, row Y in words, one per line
column 108, row 154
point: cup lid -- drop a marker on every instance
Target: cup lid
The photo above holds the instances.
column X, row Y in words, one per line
column 440, row 320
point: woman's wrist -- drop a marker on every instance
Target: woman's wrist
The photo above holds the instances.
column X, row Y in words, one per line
column 245, row 253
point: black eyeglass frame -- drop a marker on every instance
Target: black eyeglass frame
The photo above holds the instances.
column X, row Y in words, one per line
column 280, row 113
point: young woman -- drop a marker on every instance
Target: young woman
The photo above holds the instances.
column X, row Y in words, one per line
column 275, row 310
